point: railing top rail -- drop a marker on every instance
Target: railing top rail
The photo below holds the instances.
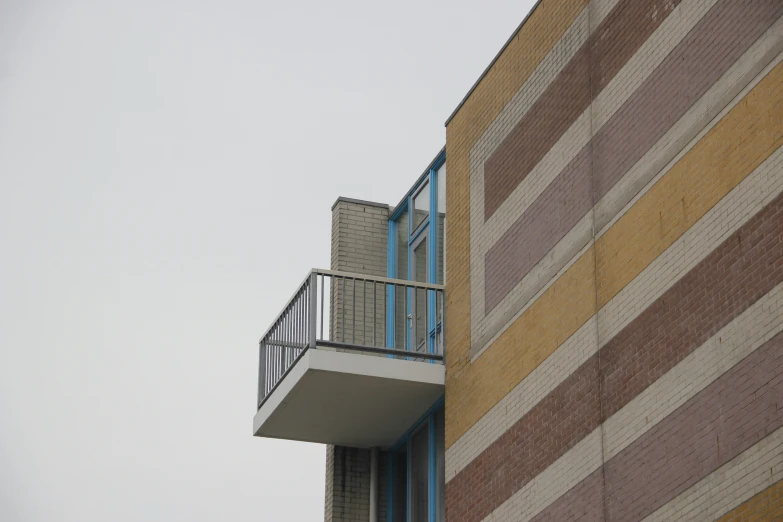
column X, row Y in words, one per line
column 378, row 279
column 349, row 275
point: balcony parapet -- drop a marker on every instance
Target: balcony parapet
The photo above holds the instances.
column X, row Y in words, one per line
column 353, row 313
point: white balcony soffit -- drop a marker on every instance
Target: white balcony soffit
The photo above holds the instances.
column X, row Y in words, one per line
column 349, row 399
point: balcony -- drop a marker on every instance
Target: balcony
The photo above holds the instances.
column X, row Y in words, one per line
column 352, row 360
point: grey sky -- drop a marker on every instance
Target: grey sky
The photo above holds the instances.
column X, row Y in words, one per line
column 166, row 176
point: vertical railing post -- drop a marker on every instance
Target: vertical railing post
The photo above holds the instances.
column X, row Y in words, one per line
column 261, row 371
column 281, row 346
column 312, row 330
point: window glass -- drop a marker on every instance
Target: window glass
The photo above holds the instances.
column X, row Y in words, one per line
column 400, row 494
column 440, row 465
column 420, row 297
column 420, row 475
column 401, row 246
column 421, row 206
column 420, row 259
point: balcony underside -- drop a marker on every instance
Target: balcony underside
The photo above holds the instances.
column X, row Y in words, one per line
column 349, row 399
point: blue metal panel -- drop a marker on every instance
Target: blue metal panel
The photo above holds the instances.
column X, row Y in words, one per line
column 434, row 211
column 433, row 239
column 409, row 292
column 432, row 270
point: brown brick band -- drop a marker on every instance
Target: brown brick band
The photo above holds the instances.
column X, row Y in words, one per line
column 728, row 417
column 704, row 55
column 584, row 502
column 741, row 270
column 538, row 230
column 611, row 45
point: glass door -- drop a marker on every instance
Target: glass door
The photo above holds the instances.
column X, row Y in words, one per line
column 416, row 471
column 418, row 300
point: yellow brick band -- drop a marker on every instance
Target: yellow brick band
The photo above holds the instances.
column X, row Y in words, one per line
column 708, row 172
column 727, row 154
column 767, row 505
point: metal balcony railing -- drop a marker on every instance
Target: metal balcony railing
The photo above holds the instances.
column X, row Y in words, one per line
column 349, row 312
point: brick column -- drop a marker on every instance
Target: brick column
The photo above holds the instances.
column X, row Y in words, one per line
column 359, row 245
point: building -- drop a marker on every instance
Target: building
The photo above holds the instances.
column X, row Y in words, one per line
column 605, row 321
column 373, row 387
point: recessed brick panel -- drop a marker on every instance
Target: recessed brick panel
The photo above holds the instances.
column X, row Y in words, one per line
column 610, row 46
column 706, row 53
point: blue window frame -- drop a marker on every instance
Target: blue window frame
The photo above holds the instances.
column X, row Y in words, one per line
column 417, row 224
column 404, row 483
column 410, row 229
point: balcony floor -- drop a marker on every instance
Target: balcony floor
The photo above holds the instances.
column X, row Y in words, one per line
column 349, row 399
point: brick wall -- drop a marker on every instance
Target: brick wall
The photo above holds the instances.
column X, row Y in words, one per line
column 767, row 505
column 348, row 485
column 360, row 236
column 614, row 299
column 359, row 245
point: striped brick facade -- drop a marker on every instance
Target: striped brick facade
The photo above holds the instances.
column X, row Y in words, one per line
column 615, row 256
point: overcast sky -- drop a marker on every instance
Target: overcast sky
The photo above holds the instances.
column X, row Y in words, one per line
column 166, row 176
